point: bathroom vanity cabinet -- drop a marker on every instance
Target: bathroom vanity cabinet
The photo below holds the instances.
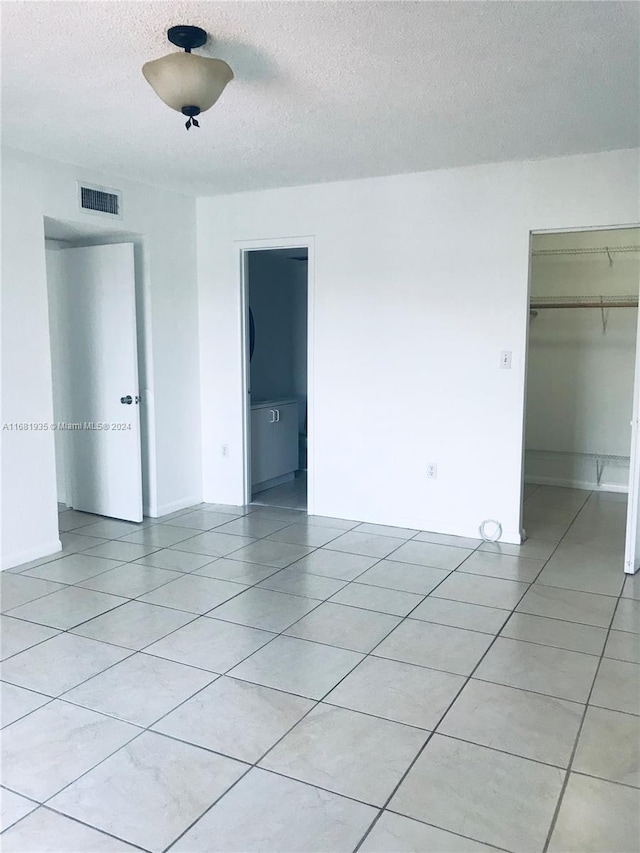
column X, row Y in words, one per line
column 274, row 442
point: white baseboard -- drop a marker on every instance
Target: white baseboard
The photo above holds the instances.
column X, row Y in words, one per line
column 17, row 559
column 174, row 506
column 589, row 485
column 509, row 537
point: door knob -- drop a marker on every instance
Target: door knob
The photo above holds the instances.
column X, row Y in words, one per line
column 126, row 401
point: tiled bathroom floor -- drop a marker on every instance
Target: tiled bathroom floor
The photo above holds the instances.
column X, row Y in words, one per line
column 260, row 680
column 292, row 495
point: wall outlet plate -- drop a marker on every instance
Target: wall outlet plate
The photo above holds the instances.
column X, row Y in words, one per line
column 432, row 471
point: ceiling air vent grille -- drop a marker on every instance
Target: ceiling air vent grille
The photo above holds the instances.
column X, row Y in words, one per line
column 100, row 201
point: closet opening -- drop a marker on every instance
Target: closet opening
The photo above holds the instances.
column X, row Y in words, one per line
column 276, row 311
column 581, row 471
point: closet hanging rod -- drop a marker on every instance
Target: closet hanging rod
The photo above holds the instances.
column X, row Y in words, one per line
column 622, row 301
column 536, row 306
column 605, row 250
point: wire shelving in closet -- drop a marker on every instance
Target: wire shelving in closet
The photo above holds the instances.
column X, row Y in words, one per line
column 628, row 300
column 603, row 303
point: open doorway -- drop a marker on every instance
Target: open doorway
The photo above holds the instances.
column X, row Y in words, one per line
column 92, row 294
column 581, row 381
column 276, row 307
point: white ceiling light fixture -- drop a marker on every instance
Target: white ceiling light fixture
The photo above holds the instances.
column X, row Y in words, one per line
column 187, row 83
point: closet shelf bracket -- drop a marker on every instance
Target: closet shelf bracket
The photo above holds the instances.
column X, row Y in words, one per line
column 604, row 325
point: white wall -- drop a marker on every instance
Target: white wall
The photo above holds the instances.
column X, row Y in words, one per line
column 580, row 379
column 420, row 281
column 31, row 189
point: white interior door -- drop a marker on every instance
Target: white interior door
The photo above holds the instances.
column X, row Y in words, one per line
column 632, row 542
column 100, row 367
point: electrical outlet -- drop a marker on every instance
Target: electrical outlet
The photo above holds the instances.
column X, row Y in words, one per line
column 225, row 449
column 505, row 359
column 432, row 471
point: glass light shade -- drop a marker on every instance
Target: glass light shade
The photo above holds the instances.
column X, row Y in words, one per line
column 187, row 80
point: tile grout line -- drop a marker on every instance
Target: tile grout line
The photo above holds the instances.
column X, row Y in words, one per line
column 149, row 525
column 227, row 673
column 455, row 698
column 318, row 702
column 254, row 765
column 196, row 616
column 587, row 705
column 148, row 728
column 75, row 820
column 587, row 701
column 256, row 584
column 467, row 679
column 370, row 654
column 133, row 651
column 128, row 599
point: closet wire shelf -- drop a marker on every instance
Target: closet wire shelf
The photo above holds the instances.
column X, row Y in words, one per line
column 601, row 459
column 602, row 302
column 589, row 250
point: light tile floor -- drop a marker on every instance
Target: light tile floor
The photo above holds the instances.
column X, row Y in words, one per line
column 256, row 679
column 292, row 494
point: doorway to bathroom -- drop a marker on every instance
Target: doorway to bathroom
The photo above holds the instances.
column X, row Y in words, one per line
column 276, row 345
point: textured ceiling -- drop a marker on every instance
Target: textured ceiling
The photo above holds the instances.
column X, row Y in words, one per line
column 322, row 91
